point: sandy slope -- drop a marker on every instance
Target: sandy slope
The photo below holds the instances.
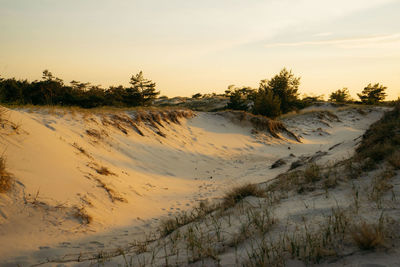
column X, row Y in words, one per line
column 58, row 189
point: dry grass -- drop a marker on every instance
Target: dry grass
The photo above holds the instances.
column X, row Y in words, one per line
column 114, row 196
column 382, row 139
column 301, row 243
column 237, row 194
column 260, row 123
column 312, row 177
column 320, row 112
column 200, row 236
column 122, row 122
column 394, row 160
column 327, row 115
column 167, row 226
column 81, row 150
column 104, row 171
column 5, row 123
column 367, row 236
column 152, row 118
column 94, row 133
column 81, row 214
column 380, row 185
column 312, row 173
column 5, row 177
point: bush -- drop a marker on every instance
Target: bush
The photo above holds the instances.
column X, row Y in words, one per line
column 238, row 97
column 196, row 96
column 267, row 104
column 237, row 101
column 340, row 96
column 278, row 95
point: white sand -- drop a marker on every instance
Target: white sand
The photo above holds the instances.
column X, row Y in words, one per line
column 155, row 176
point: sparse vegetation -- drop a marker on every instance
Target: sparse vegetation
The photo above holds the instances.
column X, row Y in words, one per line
column 312, row 173
column 5, row 177
column 202, row 235
column 114, row 196
column 394, row 160
column 81, row 150
column 367, row 236
column 167, row 226
column 236, row 194
column 81, row 214
column 261, row 123
column 380, row 185
column 104, row 171
column 94, row 133
column 381, row 141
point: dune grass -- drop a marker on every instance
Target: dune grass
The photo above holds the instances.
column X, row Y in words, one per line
column 237, row 194
column 167, row 226
column 382, row 140
column 5, row 177
column 367, row 236
column 82, row 215
column 260, row 123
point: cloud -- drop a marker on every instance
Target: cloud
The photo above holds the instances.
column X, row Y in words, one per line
column 356, row 42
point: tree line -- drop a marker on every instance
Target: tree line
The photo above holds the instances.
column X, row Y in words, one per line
column 273, row 97
column 51, row 90
column 372, row 94
column 280, row 95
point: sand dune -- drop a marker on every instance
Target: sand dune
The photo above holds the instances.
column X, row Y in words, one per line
column 85, row 181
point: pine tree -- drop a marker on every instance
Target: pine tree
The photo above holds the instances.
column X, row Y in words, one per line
column 284, row 86
column 373, row 94
column 142, row 90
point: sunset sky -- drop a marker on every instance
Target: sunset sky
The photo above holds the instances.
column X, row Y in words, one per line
column 188, row 46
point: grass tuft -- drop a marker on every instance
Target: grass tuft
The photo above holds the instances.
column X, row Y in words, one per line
column 394, row 160
column 104, row 171
column 94, row 133
column 81, row 214
column 312, row 173
column 82, row 150
column 237, row 194
column 367, row 236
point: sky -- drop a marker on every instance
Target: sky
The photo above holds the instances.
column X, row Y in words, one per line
column 189, row 46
